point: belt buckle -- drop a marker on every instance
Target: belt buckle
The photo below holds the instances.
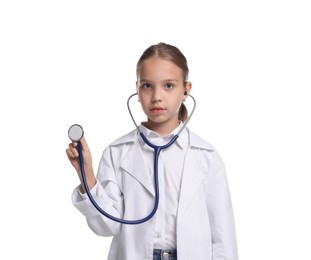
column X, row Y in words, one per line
column 165, row 255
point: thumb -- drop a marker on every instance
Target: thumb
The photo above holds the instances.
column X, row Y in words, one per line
column 85, row 148
column 84, row 144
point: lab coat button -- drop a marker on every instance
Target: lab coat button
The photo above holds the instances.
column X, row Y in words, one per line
column 158, row 234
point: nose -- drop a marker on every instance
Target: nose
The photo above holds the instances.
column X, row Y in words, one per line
column 156, row 95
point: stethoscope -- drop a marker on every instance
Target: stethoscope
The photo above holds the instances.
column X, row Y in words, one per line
column 76, row 132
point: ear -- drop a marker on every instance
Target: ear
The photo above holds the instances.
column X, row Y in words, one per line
column 188, row 88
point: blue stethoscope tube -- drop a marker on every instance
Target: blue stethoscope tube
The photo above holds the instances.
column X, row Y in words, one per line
column 157, row 150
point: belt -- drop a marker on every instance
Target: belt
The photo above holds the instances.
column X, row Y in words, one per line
column 160, row 254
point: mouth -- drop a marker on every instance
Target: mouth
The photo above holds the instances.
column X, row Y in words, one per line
column 157, row 109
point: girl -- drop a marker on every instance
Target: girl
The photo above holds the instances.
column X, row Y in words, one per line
column 195, row 217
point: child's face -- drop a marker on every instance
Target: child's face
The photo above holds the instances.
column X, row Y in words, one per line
column 161, row 92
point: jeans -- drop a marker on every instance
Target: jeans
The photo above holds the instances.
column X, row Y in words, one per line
column 159, row 254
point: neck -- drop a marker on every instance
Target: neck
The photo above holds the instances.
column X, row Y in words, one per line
column 160, row 128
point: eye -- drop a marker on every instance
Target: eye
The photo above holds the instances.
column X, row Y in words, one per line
column 168, row 86
column 146, row 86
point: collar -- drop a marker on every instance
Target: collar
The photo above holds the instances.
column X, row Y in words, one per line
column 155, row 138
column 195, row 141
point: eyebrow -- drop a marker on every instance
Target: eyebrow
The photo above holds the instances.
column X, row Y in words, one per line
column 163, row 81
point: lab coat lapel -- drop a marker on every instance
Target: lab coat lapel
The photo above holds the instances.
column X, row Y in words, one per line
column 134, row 165
column 192, row 177
column 194, row 171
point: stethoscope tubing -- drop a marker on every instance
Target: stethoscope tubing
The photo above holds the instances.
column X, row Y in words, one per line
column 180, row 130
column 157, row 150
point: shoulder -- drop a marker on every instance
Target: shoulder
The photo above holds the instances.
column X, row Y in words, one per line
column 197, row 141
column 119, row 147
column 205, row 152
column 130, row 137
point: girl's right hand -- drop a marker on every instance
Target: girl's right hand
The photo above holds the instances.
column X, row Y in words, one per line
column 73, row 156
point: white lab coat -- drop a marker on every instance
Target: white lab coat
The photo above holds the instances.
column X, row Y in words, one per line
column 205, row 223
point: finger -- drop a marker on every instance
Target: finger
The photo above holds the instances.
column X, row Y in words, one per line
column 73, row 149
column 84, row 144
column 69, row 153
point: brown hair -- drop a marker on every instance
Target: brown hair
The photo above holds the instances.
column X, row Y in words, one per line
column 173, row 54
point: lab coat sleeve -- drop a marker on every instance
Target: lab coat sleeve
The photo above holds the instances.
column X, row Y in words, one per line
column 220, row 209
column 107, row 195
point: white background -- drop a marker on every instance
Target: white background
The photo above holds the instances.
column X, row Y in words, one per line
column 65, row 62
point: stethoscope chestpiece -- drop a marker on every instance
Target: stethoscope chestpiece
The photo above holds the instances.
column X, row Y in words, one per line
column 75, row 133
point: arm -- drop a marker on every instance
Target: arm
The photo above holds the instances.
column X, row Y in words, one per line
column 221, row 213
column 104, row 190
column 73, row 156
